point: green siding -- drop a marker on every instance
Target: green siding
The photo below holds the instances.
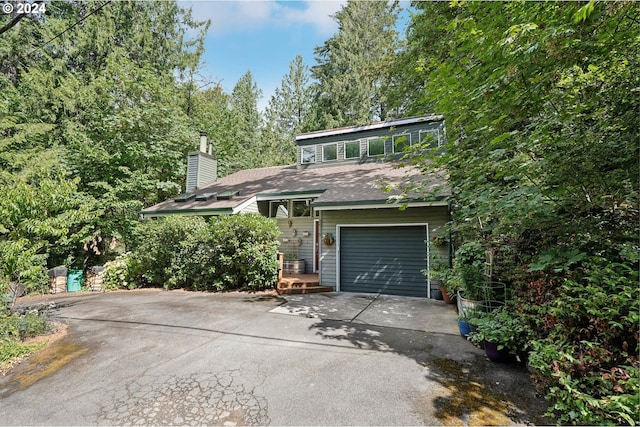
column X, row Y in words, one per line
column 436, row 217
column 301, row 226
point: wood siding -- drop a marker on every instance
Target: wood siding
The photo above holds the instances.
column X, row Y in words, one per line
column 436, row 217
column 301, row 226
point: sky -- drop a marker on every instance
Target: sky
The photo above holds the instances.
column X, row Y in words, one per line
column 262, row 36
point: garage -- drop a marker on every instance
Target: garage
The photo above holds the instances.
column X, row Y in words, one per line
column 383, row 259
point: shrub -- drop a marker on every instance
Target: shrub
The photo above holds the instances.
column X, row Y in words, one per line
column 120, row 273
column 158, row 242
column 588, row 360
column 234, row 252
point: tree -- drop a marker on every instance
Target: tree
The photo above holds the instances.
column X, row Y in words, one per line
column 354, row 66
column 542, row 163
column 288, row 113
column 244, row 107
column 97, row 90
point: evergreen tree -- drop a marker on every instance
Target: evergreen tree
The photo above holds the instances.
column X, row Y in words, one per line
column 288, row 113
column 353, row 70
column 244, row 106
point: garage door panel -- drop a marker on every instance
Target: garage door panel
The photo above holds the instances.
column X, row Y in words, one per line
column 388, row 260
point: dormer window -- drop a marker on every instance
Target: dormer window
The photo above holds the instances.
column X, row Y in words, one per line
column 329, row 152
column 309, row 154
column 352, row 150
column 375, row 146
column 401, row 143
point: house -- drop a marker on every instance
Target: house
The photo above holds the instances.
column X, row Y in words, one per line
column 330, row 206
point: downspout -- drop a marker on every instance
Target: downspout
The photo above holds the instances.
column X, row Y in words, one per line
column 428, row 264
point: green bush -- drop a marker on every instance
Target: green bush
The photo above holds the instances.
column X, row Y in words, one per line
column 234, row 252
column 229, row 252
column 589, row 359
column 158, row 242
column 120, row 273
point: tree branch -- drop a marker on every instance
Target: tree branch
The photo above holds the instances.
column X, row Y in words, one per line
column 12, row 23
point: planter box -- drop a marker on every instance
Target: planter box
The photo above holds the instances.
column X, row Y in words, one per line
column 293, row 266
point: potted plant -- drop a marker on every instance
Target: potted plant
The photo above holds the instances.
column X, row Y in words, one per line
column 501, row 333
column 464, row 326
column 443, row 275
column 292, row 264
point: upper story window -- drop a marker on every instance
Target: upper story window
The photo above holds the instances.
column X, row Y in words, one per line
column 401, row 143
column 301, row 208
column 375, row 146
column 430, row 137
column 309, row 154
column 329, row 152
column 352, row 150
column 279, row 209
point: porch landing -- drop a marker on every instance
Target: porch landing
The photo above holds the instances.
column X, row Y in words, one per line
column 300, row 284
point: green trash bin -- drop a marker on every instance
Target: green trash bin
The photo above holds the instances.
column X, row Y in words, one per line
column 74, row 281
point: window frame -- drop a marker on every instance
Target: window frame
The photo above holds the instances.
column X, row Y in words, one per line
column 335, row 145
column 279, row 202
column 357, row 143
column 302, row 152
column 434, row 132
column 376, row 138
column 307, row 204
column 393, row 142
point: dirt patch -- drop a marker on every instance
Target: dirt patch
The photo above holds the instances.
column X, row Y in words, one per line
column 58, row 331
column 467, row 402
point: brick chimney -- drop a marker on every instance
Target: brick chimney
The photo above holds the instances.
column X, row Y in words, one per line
column 202, row 167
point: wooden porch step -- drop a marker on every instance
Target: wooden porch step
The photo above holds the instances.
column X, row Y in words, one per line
column 303, row 290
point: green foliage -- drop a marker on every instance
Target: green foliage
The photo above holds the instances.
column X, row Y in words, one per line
column 588, row 357
column 120, row 273
column 542, row 122
column 15, row 327
column 230, row 252
column 234, row 252
column 503, row 327
column 158, row 243
column 354, row 67
column 468, row 271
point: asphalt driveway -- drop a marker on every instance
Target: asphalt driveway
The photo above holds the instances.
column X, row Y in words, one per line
column 152, row 357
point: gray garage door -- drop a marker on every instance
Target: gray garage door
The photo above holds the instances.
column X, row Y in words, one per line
column 384, row 260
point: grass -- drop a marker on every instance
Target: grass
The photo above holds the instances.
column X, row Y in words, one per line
column 14, row 329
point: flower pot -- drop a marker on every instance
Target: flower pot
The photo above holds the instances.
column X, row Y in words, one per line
column 293, row 266
column 445, row 295
column 495, row 355
column 465, row 305
column 464, row 328
column 437, row 294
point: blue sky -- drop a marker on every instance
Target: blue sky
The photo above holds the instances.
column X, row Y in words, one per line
column 261, row 36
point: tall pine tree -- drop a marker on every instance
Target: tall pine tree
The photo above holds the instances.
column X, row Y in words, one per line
column 354, row 66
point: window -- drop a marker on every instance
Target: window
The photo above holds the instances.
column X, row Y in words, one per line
column 401, row 143
column 301, row 208
column 329, row 152
column 279, row 209
column 430, row 137
column 375, row 146
column 309, row 154
column 352, row 150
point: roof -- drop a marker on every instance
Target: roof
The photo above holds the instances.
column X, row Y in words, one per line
column 370, row 126
column 339, row 185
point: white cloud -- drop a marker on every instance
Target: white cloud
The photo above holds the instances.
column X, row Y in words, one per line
column 241, row 15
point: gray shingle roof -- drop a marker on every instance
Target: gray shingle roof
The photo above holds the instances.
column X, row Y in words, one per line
column 340, row 184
